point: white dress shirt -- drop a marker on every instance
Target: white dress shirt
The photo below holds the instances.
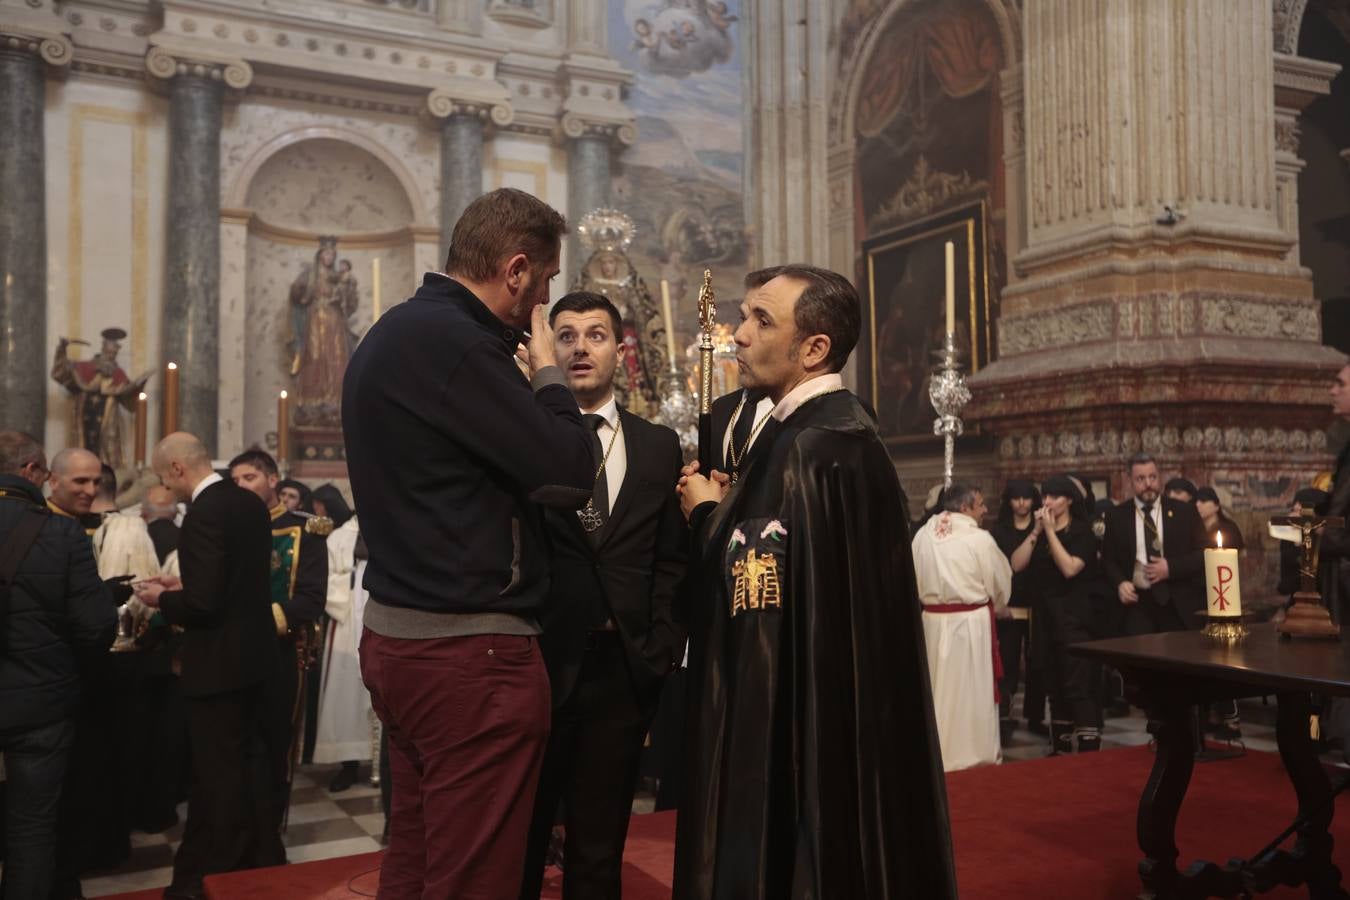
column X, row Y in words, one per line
column 617, row 466
column 759, row 412
column 957, row 561
column 205, row 483
column 822, row 384
column 1140, row 542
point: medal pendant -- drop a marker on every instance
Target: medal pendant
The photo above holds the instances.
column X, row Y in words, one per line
column 590, row 518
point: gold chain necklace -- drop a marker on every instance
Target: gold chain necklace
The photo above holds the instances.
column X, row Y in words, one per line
column 737, row 458
column 590, row 517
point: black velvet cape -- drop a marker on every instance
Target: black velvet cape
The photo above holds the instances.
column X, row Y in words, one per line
column 812, row 766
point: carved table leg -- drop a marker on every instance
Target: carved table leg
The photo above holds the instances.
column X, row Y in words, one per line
column 1311, row 860
column 1158, row 807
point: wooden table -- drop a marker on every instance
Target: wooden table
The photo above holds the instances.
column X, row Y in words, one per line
column 1169, row 674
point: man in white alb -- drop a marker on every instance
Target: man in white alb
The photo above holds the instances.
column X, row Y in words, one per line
column 964, row 582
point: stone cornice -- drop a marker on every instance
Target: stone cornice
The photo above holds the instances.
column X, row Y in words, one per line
column 1299, row 81
column 593, row 101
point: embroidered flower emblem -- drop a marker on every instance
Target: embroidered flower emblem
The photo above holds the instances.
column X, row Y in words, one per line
column 737, row 537
column 943, row 528
column 774, row 530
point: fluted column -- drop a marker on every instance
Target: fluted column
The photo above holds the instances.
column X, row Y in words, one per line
column 586, row 31
column 1157, row 303
column 23, row 229
column 191, row 323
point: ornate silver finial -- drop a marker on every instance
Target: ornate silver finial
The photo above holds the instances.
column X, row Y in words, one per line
column 948, row 392
column 606, row 229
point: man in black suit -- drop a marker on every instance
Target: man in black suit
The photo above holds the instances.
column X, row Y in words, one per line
column 229, row 661
column 1153, row 556
column 610, row 637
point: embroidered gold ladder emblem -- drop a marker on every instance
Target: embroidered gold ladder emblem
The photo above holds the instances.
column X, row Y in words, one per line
column 757, row 585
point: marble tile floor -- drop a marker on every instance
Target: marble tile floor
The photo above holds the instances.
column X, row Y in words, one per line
column 324, row 825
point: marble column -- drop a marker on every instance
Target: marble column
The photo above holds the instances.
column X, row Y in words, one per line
column 461, row 168
column 192, row 251
column 589, row 185
column 23, row 240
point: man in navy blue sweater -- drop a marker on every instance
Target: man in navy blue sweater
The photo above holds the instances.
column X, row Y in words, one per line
column 453, row 453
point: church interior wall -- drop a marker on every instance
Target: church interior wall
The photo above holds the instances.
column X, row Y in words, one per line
column 106, row 146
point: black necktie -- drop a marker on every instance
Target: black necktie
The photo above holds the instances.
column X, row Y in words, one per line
column 600, row 496
column 740, row 431
column 1151, row 542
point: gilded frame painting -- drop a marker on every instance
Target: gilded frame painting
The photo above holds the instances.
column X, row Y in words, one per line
column 904, row 322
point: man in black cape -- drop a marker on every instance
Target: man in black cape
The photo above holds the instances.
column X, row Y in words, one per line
column 813, row 764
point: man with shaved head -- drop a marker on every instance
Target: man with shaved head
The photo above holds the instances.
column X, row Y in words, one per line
column 55, row 610
column 229, row 661
column 75, row 478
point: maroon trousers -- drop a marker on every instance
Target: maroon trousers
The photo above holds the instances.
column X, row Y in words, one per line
column 468, row 721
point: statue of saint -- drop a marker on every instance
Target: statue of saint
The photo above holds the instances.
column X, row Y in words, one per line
column 100, row 387
column 322, row 297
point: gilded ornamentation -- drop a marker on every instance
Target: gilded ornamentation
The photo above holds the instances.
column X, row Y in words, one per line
column 926, row 190
column 757, row 583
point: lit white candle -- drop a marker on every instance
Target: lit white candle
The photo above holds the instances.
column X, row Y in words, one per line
column 168, row 418
column 951, row 287
column 1223, row 591
column 283, row 428
column 142, row 417
column 670, row 322
column 375, row 287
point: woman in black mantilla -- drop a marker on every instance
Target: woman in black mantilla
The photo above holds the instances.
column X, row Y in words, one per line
column 1059, row 558
column 1014, row 526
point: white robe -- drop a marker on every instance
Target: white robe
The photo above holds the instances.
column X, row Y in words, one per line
column 344, row 728
column 958, row 563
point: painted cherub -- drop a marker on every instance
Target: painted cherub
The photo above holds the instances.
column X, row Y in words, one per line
column 719, row 15
column 644, row 39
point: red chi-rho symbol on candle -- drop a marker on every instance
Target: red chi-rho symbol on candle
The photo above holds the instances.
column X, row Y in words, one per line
column 1225, row 578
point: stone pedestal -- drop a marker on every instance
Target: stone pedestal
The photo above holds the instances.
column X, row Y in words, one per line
column 23, row 227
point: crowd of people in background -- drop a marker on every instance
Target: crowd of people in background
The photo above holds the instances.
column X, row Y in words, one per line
column 95, row 726
column 1070, row 567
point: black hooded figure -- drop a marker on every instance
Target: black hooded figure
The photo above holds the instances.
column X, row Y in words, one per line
column 813, row 769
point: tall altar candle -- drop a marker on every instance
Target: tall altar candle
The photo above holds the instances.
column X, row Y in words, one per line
column 283, row 428
column 141, row 417
column 951, row 287
column 670, row 323
column 1223, row 593
column 375, row 288
column 168, row 419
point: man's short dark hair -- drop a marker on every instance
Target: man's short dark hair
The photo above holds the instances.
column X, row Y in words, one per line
column 586, row 301
column 499, row 225
column 829, row 306
column 107, row 484
column 761, row 277
column 1140, row 459
column 959, row 496
column 258, row 459
column 17, row 450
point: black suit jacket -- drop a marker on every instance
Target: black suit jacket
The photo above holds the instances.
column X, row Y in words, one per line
column 225, row 606
column 636, row 565
column 723, row 408
column 1184, row 542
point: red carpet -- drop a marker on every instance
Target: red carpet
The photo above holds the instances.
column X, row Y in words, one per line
column 1059, row 827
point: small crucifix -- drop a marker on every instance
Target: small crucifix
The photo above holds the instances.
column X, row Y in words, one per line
column 1308, row 617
